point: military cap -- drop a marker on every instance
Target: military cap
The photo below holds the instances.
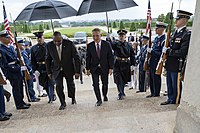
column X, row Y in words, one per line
column 145, row 37
column 38, row 34
column 161, row 25
column 121, row 32
column 4, row 33
column 21, row 41
column 183, row 14
column 26, row 43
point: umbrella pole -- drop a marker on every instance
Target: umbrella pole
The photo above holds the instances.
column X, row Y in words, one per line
column 107, row 21
column 52, row 26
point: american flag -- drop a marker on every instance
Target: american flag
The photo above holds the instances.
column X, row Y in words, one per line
column 7, row 26
column 149, row 19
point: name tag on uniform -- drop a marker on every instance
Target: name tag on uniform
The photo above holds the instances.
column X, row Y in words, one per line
column 178, row 40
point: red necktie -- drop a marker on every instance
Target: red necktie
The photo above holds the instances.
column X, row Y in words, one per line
column 98, row 50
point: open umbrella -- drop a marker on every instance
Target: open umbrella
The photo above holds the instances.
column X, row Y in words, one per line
column 47, row 9
column 94, row 6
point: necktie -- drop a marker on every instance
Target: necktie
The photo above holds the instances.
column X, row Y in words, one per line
column 59, row 52
column 98, row 50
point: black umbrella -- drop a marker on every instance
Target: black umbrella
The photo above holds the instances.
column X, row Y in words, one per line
column 94, row 6
column 47, row 9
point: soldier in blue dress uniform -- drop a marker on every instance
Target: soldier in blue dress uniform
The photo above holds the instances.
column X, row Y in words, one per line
column 156, row 51
column 141, row 58
column 12, row 70
column 176, row 56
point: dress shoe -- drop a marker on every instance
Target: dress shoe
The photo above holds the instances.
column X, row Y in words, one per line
column 27, row 104
column 131, row 88
column 35, row 100
column 4, row 118
column 23, row 107
column 54, row 97
column 149, row 96
column 139, row 91
column 7, row 114
column 105, row 99
column 98, row 103
column 62, row 107
column 73, row 101
column 120, row 98
column 81, row 82
column 43, row 95
column 165, row 103
column 50, row 101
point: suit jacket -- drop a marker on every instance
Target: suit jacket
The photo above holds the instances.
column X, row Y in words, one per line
column 70, row 60
column 106, row 60
column 179, row 44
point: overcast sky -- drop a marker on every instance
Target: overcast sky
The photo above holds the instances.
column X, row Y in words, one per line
column 14, row 7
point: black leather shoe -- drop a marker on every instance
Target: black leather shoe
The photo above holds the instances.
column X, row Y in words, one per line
column 131, row 88
column 27, row 104
column 98, row 103
column 54, row 97
column 81, row 82
column 73, row 101
column 165, row 103
column 44, row 95
column 120, row 98
column 105, row 99
column 138, row 91
column 4, row 118
column 8, row 98
column 50, row 101
column 149, row 96
column 7, row 114
column 23, row 107
column 35, row 100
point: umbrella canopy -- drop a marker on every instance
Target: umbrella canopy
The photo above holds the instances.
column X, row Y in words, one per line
column 47, row 9
column 95, row 6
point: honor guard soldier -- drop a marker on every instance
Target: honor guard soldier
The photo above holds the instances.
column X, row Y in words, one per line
column 156, row 51
column 12, row 70
column 141, row 58
column 176, row 56
column 121, row 70
column 38, row 53
column 27, row 62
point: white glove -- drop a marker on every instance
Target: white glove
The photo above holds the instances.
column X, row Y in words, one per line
column 149, row 50
column 37, row 73
column 23, row 68
column 164, row 50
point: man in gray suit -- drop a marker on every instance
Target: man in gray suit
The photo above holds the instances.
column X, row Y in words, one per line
column 66, row 63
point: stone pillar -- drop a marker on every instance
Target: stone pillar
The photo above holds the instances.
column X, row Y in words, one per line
column 188, row 113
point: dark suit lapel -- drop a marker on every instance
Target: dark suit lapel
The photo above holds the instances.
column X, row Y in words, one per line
column 94, row 49
column 63, row 48
column 54, row 49
column 102, row 48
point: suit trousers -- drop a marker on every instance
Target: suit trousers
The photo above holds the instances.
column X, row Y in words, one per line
column 104, row 79
column 174, row 87
column 155, row 83
column 142, row 80
column 60, row 87
column 2, row 101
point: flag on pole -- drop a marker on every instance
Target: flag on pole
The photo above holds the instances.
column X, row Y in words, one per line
column 149, row 19
column 6, row 25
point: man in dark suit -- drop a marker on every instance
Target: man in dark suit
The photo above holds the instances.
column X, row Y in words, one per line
column 66, row 63
column 176, row 56
column 99, row 62
column 131, row 38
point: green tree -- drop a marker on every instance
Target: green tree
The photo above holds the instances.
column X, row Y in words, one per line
column 47, row 27
column 133, row 27
column 121, row 25
column 114, row 25
column 41, row 28
column 167, row 20
column 161, row 18
column 2, row 27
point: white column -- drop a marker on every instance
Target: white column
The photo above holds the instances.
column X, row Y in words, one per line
column 188, row 113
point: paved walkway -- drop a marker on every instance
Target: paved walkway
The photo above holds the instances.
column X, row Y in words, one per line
column 135, row 114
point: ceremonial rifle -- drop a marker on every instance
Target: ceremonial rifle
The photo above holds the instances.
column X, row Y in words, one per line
column 164, row 56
